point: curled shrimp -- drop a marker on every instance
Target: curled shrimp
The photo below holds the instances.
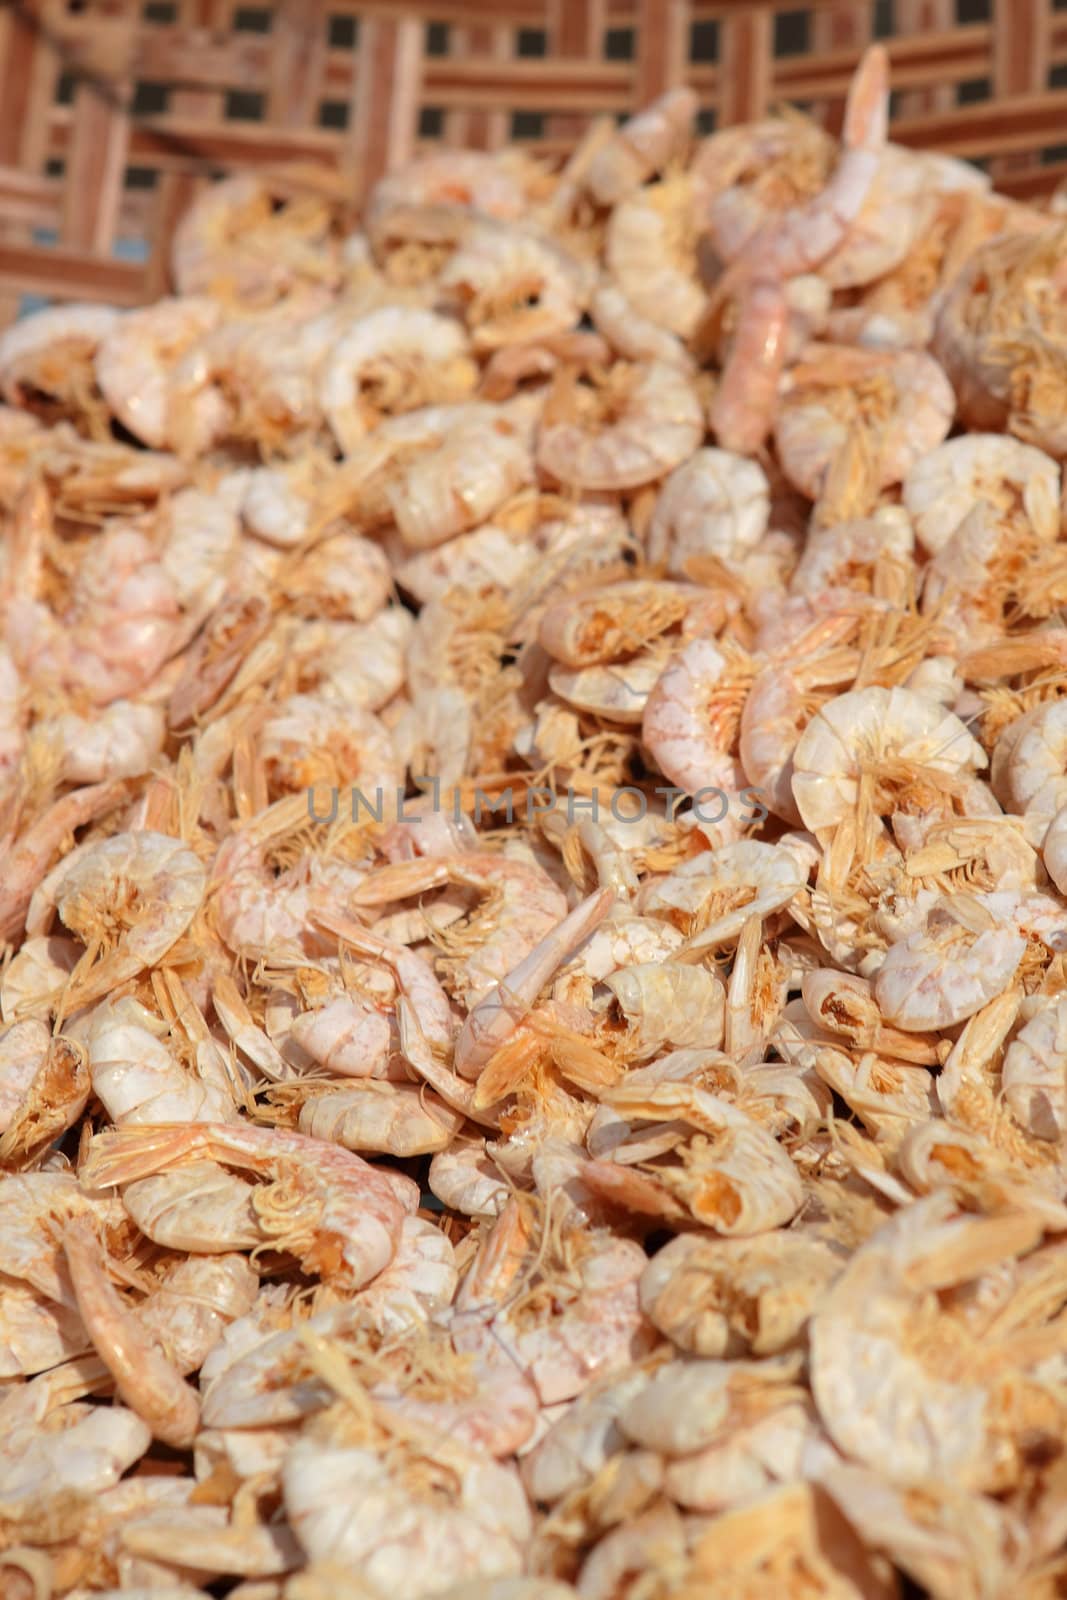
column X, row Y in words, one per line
column 233, row 243
column 877, row 745
column 339, row 1216
column 460, row 481
column 715, row 504
column 650, row 252
column 136, row 891
column 854, row 421
column 947, row 969
column 1000, row 336
column 511, row 286
column 135, row 366
column 800, row 239
column 404, row 205
column 646, row 143
column 393, row 360
column 690, row 723
column 1016, row 481
column 27, row 856
column 1036, row 767
column 523, row 907
column 48, row 356
column 637, row 425
column 1054, row 850
column 632, row 336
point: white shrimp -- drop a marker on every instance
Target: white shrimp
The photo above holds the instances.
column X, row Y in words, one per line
column 511, row 286
column 715, row 504
column 312, row 739
column 646, row 143
column 1034, row 1074
column 122, row 740
column 23, row 1047
column 591, row 1324
column 50, row 353
column 1054, row 850
column 488, row 554
column 650, row 253
column 119, row 624
column 393, row 360
column 460, row 481
column 738, row 1180
column 846, row 555
column 11, row 714
column 468, row 1518
column 948, row 969
column 37, row 1334
column 372, row 1117
column 888, row 740
column 632, row 336
column 465, row 1178
column 85, row 1448
column 526, row 907
column 139, row 1079
column 135, row 370
column 472, row 180
column 1019, row 483
column 732, row 1297
column 713, row 894
column 861, row 416
column 137, row 891
column 344, row 576
column 417, row 1285
column 1036, row 770
column 233, row 245
column 668, row 1005
column 339, row 1216
column 199, row 1208
column 642, row 423
column 895, row 1380
column 493, row 1019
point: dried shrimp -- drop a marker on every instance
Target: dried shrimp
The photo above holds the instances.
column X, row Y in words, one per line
column 533, row 887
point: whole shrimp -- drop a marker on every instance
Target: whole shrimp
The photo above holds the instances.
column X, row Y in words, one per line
column 140, row 890
column 785, row 247
column 339, row 1216
column 852, row 422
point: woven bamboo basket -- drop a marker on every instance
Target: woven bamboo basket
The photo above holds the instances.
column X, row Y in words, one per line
column 112, row 113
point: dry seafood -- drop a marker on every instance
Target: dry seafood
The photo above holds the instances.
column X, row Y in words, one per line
column 533, row 857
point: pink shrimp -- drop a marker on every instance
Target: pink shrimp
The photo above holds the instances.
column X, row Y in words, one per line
column 742, row 411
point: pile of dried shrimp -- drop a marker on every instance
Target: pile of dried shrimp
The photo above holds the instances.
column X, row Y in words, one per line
column 534, row 1052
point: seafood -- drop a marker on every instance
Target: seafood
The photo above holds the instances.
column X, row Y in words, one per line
column 137, row 891
column 638, row 426
column 1019, row 482
column 327, row 1205
column 533, row 873
column 853, row 422
column 390, row 361
column 890, row 741
column 135, row 365
column 715, row 504
column 645, row 144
